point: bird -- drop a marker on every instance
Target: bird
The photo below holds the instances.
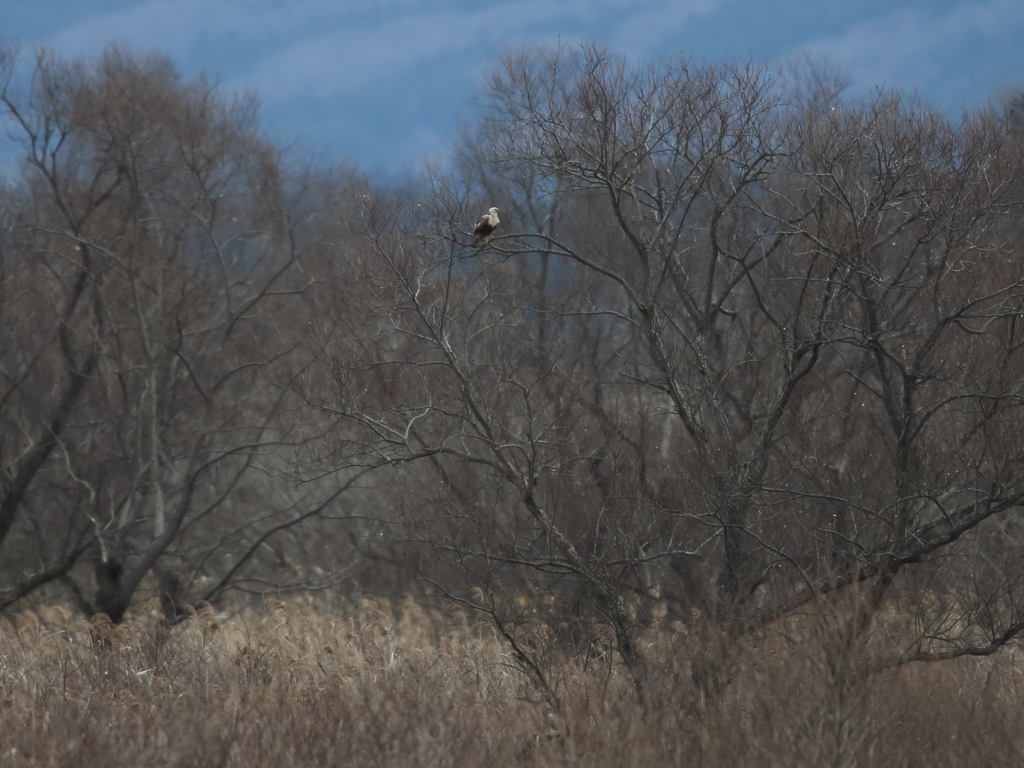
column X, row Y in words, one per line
column 485, row 228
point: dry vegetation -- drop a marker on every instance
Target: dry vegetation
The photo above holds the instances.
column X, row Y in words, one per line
column 393, row 684
column 712, row 445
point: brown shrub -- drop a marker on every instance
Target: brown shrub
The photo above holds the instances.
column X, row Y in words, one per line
column 394, row 684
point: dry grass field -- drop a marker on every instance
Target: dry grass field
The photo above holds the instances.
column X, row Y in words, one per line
column 393, row 684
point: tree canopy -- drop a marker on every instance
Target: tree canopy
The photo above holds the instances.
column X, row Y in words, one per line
column 742, row 350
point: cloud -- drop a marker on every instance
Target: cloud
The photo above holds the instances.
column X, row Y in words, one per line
column 323, row 47
column 947, row 56
column 354, row 58
column 396, row 71
column 170, row 26
column 390, row 51
column 648, row 29
column 364, row 75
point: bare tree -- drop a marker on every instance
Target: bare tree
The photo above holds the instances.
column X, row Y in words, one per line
column 732, row 353
column 164, row 250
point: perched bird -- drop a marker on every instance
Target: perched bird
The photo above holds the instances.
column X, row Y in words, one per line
column 485, row 227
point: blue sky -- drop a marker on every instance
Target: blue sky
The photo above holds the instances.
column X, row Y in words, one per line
column 387, row 82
